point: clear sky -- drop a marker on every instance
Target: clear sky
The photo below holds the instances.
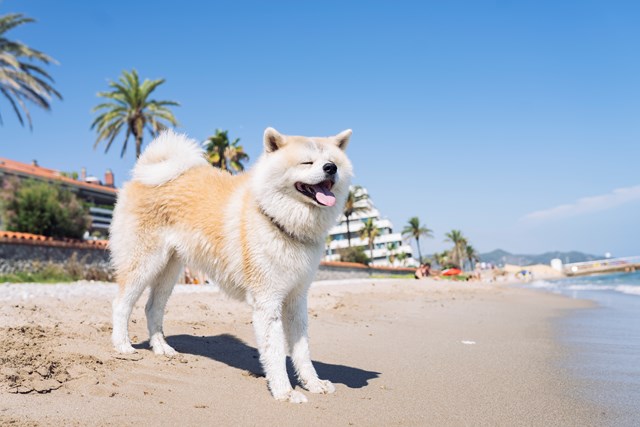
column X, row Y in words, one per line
column 517, row 122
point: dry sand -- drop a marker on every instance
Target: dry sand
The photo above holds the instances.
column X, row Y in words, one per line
column 401, row 352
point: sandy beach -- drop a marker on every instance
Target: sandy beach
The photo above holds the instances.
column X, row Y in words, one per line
column 400, row 352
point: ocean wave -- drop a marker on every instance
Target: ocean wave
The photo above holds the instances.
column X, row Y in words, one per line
column 628, row 289
column 590, row 288
column 598, row 286
column 543, row 284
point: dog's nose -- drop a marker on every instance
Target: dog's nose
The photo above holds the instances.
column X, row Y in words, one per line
column 330, row 168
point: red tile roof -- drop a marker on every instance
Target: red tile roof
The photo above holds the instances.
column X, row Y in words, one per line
column 35, row 239
column 341, row 264
column 44, row 173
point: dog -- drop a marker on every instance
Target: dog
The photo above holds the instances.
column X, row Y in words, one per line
column 260, row 235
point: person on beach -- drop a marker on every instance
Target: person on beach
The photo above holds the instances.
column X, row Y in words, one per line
column 423, row 271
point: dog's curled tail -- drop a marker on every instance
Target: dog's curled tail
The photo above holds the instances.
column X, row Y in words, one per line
column 167, row 157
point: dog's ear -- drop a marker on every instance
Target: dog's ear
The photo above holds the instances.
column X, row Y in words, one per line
column 342, row 139
column 273, row 140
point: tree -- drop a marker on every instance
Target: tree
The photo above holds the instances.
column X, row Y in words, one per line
column 370, row 232
column 472, row 255
column 354, row 204
column 130, row 109
column 437, row 258
column 459, row 243
column 22, row 78
column 355, row 254
column 223, row 154
column 414, row 229
column 41, row 208
column 402, row 257
column 391, row 247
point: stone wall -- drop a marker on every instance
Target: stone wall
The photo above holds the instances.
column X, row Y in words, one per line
column 29, row 255
column 350, row 270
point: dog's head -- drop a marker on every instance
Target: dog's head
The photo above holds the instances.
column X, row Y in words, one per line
column 303, row 174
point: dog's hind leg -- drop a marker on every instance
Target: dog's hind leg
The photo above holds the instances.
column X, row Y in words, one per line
column 158, row 297
column 267, row 322
column 122, row 307
column 295, row 326
column 133, row 284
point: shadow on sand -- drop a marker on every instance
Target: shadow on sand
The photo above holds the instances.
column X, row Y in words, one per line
column 234, row 352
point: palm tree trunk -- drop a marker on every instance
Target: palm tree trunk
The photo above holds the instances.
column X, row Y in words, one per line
column 138, row 146
column 370, row 249
column 419, row 251
column 348, row 232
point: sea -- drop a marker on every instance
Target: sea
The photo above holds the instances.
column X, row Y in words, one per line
column 604, row 341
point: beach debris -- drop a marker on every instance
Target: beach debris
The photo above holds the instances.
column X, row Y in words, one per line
column 133, row 357
column 468, row 342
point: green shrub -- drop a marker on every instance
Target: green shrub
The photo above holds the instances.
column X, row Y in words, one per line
column 354, row 254
column 41, row 208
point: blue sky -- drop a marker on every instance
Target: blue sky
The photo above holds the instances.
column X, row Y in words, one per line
column 515, row 122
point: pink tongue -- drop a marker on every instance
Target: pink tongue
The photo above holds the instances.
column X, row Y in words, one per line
column 324, row 196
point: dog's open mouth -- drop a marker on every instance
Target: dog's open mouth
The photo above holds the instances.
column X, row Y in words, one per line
column 320, row 192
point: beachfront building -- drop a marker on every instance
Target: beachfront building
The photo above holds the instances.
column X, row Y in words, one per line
column 388, row 247
column 99, row 195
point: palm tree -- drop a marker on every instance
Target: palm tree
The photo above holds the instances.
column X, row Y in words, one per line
column 472, row 255
column 391, row 247
column 414, row 229
column 441, row 258
column 354, row 204
column 21, row 80
column 370, row 232
column 130, row 108
column 402, row 256
column 459, row 244
column 223, row 154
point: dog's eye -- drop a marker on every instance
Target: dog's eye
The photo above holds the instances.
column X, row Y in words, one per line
column 306, row 163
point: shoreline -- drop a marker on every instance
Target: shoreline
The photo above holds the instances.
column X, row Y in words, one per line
column 400, row 352
column 603, row 341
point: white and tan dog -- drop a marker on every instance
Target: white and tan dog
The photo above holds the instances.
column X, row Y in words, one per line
column 259, row 235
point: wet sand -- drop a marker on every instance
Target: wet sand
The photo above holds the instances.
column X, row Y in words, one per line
column 400, row 352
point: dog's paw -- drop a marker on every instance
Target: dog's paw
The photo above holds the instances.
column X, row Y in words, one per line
column 160, row 348
column 124, row 348
column 291, row 396
column 320, row 386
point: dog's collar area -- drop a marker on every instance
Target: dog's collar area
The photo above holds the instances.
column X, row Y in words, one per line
column 281, row 228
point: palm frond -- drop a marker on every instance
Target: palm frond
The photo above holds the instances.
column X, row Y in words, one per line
column 13, row 104
column 21, row 81
column 129, row 107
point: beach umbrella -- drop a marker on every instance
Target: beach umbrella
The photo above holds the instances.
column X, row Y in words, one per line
column 451, row 272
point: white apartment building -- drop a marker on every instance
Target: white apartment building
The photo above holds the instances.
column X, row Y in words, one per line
column 387, row 242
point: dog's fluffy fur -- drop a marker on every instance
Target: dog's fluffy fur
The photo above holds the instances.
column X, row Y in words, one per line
column 259, row 235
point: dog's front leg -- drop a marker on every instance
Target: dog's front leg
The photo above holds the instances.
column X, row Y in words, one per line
column 267, row 322
column 295, row 326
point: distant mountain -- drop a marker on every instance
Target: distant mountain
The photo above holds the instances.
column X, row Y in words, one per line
column 500, row 257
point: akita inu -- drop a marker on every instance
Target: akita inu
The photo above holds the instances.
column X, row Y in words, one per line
column 260, row 235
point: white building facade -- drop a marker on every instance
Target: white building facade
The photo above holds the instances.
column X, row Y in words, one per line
column 387, row 246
